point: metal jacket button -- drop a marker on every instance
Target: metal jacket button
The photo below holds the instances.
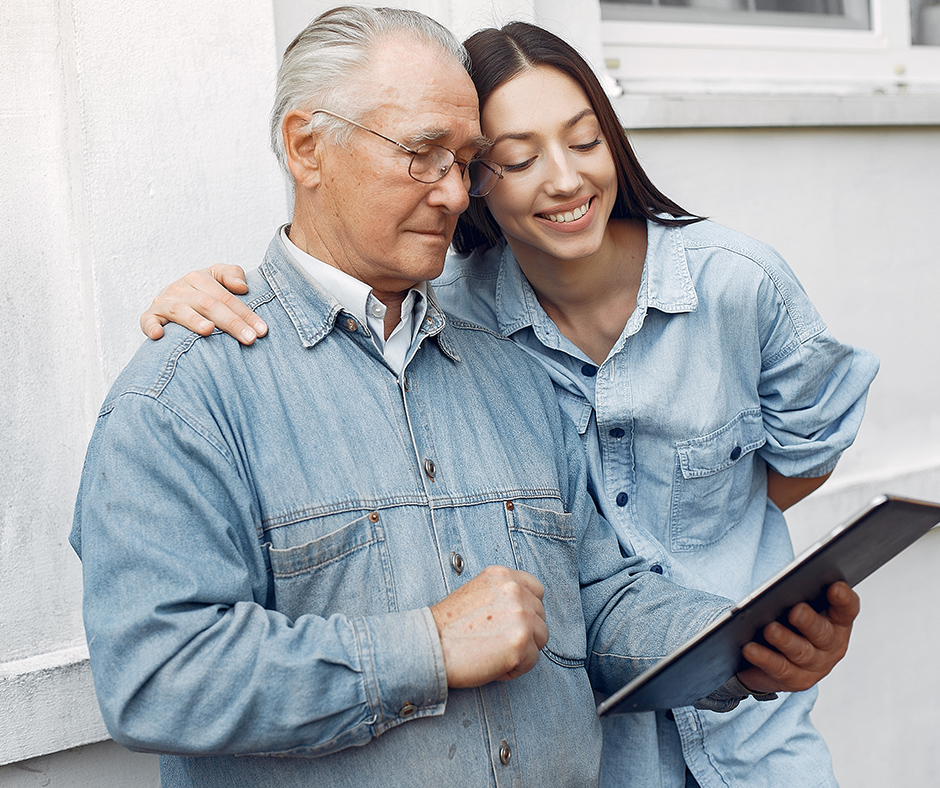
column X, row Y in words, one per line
column 429, row 469
column 505, row 753
column 407, row 710
column 456, row 561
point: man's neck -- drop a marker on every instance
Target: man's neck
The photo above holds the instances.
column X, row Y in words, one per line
column 310, row 243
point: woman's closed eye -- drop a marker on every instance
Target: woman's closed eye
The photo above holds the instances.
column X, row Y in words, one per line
column 580, row 148
column 588, row 145
column 519, row 167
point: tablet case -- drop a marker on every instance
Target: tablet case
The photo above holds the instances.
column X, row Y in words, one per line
column 850, row 552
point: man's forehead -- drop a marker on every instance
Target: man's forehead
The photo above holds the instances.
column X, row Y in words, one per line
column 424, row 92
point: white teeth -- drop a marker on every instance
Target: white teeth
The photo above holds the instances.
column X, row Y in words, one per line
column 568, row 216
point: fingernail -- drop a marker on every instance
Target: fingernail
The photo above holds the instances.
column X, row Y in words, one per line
column 248, row 335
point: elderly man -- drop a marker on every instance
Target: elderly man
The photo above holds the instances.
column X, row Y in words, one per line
column 360, row 546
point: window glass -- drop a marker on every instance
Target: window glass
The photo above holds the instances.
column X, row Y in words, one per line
column 853, row 14
column 925, row 22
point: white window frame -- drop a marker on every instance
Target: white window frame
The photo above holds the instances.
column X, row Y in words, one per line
column 692, row 75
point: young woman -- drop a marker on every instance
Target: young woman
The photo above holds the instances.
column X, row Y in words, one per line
column 709, row 393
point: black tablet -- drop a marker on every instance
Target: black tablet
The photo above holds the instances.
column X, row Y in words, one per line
column 851, row 552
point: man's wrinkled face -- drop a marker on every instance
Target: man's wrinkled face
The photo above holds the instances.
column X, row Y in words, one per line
column 373, row 219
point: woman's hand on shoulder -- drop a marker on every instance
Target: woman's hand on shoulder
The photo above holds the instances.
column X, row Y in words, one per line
column 202, row 301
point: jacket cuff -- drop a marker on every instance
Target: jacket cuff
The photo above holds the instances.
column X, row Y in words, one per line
column 729, row 695
column 403, row 671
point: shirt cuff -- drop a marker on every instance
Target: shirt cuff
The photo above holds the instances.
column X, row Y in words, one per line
column 729, row 695
column 403, row 667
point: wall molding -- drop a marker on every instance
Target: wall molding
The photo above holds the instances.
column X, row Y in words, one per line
column 689, row 110
column 47, row 704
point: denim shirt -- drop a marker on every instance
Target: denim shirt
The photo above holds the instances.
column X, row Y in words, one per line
column 263, row 529
column 723, row 369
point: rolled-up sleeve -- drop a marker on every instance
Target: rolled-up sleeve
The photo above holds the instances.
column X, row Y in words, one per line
column 812, row 387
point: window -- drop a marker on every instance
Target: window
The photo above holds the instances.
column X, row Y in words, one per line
column 809, row 13
column 776, row 62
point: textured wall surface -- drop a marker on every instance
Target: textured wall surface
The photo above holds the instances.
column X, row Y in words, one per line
column 134, row 147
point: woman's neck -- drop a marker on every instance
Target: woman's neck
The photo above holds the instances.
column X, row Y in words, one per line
column 591, row 300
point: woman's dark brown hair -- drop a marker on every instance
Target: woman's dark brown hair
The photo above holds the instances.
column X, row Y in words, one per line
column 496, row 56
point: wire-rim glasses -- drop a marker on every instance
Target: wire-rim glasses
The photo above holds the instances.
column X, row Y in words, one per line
column 430, row 163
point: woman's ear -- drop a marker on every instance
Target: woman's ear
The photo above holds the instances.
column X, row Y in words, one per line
column 303, row 149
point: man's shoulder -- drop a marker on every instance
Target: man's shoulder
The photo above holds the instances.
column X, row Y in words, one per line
column 157, row 365
column 467, row 289
column 491, row 352
column 182, row 358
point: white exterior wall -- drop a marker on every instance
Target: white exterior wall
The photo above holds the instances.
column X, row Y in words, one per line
column 134, row 147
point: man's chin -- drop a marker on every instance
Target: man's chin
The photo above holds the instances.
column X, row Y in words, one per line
column 429, row 252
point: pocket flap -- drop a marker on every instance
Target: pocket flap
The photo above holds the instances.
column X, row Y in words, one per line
column 722, row 448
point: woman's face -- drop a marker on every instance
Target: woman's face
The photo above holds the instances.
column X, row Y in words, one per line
column 559, row 183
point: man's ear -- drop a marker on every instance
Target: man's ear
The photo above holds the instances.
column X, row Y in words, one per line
column 303, row 149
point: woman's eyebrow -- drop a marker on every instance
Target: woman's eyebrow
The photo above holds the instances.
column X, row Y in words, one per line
column 579, row 117
column 525, row 135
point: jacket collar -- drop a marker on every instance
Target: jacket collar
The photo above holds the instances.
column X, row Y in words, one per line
column 313, row 311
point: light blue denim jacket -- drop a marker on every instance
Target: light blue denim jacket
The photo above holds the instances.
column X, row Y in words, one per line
column 725, row 367
column 263, row 529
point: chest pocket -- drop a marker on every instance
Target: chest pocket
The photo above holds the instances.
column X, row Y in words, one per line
column 345, row 571
column 545, row 544
column 713, row 481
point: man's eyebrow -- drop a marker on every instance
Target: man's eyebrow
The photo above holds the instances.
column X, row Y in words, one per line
column 526, row 135
column 435, row 135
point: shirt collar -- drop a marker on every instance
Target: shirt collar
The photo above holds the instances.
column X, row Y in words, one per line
column 313, row 309
column 666, row 285
column 353, row 295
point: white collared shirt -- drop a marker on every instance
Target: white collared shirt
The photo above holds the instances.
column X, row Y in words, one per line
column 357, row 297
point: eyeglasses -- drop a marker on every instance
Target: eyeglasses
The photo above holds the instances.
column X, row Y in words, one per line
column 430, row 163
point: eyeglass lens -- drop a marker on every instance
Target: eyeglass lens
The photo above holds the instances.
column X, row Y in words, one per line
column 430, row 163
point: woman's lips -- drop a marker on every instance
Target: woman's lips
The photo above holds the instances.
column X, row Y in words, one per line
column 571, row 220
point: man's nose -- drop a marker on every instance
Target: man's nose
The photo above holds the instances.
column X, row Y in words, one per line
column 450, row 192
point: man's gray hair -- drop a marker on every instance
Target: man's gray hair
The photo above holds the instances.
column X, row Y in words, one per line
column 320, row 65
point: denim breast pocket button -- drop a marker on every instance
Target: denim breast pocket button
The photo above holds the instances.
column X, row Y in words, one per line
column 713, row 479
